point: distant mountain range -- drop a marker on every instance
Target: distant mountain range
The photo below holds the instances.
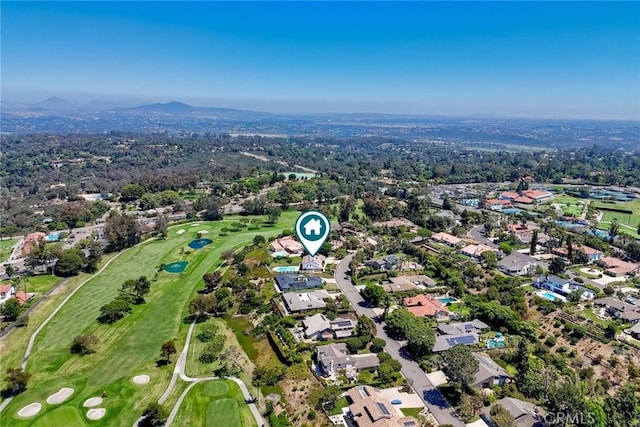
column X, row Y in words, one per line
column 57, row 115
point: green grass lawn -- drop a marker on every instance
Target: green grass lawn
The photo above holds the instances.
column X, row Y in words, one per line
column 6, row 247
column 213, row 404
column 132, row 345
column 411, row 412
column 340, row 403
column 37, row 284
column 628, row 222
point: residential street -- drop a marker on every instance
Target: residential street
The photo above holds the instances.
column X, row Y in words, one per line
column 434, row 400
column 477, row 233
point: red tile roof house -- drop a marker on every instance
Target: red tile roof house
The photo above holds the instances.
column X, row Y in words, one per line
column 23, row 297
column 523, row 232
column 591, row 253
column 286, row 246
column 422, row 306
column 447, row 239
column 616, row 267
column 475, row 251
column 6, row 292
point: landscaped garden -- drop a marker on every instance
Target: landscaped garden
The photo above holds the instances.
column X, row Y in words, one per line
column 127, row 348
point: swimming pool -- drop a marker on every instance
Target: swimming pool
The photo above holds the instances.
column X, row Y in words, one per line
column 548, row 295
column 52, row 237
column 286, row 269
column 493, row 343
column 447, row 300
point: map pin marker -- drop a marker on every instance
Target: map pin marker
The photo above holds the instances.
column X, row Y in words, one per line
column 312, row 229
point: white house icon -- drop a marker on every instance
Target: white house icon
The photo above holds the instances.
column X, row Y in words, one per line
column 312, row 227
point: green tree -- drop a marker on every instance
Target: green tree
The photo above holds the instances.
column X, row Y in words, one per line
column 212, row 281
column 69, row 263
column 258, row 239
column 557, row 266
column 461, row 365
column 374, row 294
column 114, row 311
column 130, row 192
column 11, row 309
column 162, row 226
column 377, row 345
column 16, row 380
column 329, row 397
column 122, row 231
column 84, row 344
column 167, row 350
column 501, row 417
column 534, row 243
column 155, row 415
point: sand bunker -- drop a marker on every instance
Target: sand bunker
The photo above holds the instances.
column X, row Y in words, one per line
column 141, row 379
column 181, row 231
column 96, row 414
column 60, row 396
column 30, row 410
column 94, row 401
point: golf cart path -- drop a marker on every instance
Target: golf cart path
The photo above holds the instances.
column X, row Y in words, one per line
column 33, row 337
column 178, row 372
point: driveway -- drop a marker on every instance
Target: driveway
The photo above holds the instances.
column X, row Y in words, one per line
column 431, row 396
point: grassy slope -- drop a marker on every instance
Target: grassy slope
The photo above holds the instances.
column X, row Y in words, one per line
column 131, row 346
column 6, row 247
column 214, row 403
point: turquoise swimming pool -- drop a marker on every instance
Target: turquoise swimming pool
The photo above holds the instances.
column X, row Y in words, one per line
column 447, row 300
column 548, row 295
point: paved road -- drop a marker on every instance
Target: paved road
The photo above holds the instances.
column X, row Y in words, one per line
column 477, row 233
column 431, row 396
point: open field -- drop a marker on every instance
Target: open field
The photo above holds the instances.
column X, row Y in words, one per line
column 132, row 345
column 6, row 247
column 571, row 206
column 215, row 403
column 38, row 284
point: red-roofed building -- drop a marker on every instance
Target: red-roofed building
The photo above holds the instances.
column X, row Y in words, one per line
column 524, row 200
column 616, row 267
column 447, row 239
column 286, row 246
column 475, row 251
column 538, row 196
column 23, row 297
column 422, row 306
column 6, row 292
column 591, row 253
column 522, row 231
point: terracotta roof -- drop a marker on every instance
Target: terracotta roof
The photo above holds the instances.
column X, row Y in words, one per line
column 618, row 266
column 5, row 288
column 23, row 297
column 424, row 306
column 523, row 199
column 536, row 194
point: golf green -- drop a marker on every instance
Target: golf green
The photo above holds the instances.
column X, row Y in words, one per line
column 64, row 416
column 176, row 267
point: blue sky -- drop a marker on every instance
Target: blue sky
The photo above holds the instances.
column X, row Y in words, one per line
column 521, row 59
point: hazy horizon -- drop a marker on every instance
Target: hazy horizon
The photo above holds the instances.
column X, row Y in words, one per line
column 522, row 60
